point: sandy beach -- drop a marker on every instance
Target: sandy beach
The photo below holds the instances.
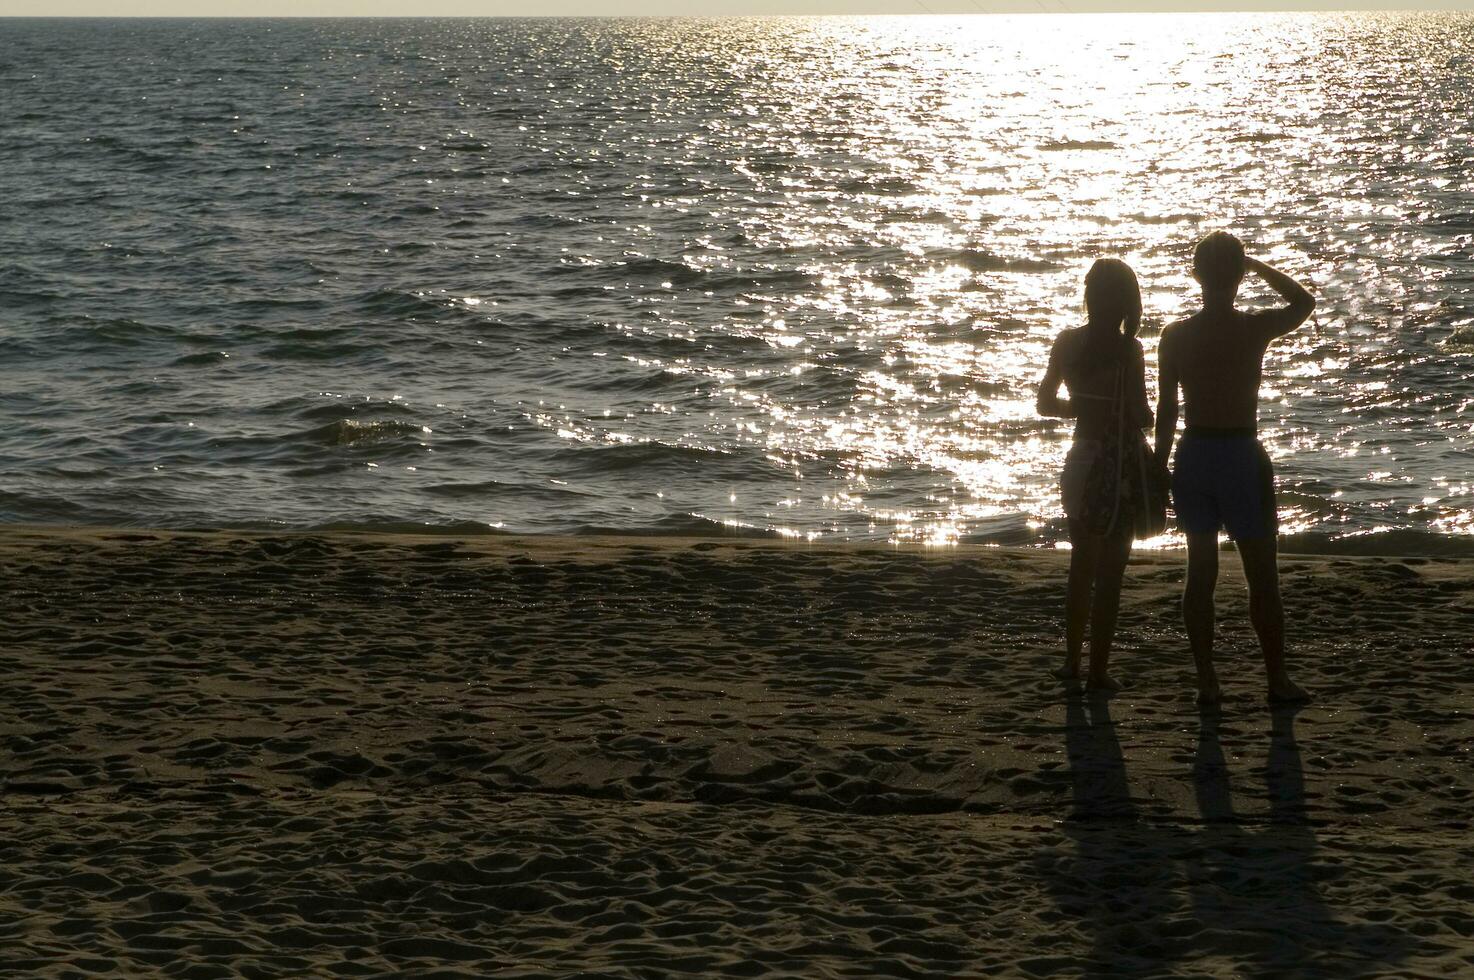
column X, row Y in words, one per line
column 239, row 754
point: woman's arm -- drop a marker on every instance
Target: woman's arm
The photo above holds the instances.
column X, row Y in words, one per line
column 1049, row 403
column 1141, row 411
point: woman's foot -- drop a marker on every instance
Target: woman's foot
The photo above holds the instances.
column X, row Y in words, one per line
column 1069, row 673
column 1209, row 692
column 1103, row 685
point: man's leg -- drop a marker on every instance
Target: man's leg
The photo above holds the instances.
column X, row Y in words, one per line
column 1197, row 610
column 1115, row 551
column 1266, row 612
column 1084, row 550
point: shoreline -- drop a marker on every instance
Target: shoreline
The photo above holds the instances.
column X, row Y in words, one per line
column 326, row 753
column 1392, row 544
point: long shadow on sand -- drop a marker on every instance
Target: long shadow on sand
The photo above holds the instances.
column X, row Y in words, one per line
column 1227, row 896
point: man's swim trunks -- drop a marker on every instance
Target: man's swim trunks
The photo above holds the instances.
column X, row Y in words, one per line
column 1222, row 478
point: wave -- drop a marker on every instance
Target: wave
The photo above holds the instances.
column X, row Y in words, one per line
column 657, row 270
column 1462, row 338
column 355, row 432
column 683, row 526
column 982, row 260
column 402, row 303
column 464, row 146
column 1258, row 137
column 335, row 410
column 1007, row 530
column 1185, row 217
column 920, row 216
column 203, row 359
column 1058, row 145
column 400, row 526
column 304, row 448
column 705, row 463
column 49, row 508
column 319, row 351
column 488, row 489
column 1457, row 221
column 772, row 279
column 634, row 380
column 879, row 186
column 1013, row 531
column 268, row 304
column 12, row 298
column 1395, row 542
column 128, row 333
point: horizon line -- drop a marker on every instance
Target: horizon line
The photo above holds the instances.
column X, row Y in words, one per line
column 1037, row 10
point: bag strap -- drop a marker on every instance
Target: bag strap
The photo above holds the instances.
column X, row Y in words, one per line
column 1120, row 445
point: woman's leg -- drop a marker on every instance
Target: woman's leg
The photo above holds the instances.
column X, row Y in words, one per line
column 1084, row 552
column 1110, row 570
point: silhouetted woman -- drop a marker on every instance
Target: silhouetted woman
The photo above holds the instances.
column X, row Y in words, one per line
column 1102, row 365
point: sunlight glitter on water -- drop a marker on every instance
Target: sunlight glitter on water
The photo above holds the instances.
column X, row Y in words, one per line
column 1108, row 144
column 662, row 275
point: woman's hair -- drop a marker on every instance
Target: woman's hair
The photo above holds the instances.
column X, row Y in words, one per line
column 1113, row 297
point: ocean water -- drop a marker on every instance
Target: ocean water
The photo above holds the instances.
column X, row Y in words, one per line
column 766, row 276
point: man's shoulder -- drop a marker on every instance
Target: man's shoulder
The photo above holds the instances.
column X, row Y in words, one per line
column 1174, row 330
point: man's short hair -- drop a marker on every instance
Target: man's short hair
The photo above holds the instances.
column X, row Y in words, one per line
column 1218, row 261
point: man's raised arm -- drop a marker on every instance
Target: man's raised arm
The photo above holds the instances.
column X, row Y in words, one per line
column 1301, row 304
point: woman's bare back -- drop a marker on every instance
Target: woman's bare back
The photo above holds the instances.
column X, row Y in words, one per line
column 1094, row 378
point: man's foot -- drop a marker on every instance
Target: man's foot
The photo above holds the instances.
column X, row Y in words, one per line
column 1102, row 685
column 1282, row 690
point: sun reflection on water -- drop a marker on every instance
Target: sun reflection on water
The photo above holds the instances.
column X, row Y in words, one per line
column 979, row 170
column 777, row 276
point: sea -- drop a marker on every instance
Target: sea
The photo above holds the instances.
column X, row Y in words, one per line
column 776, row 277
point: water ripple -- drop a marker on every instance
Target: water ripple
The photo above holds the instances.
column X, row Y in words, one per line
column 786, row 277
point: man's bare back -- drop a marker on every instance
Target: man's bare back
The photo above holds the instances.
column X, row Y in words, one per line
column 1223, row 477
column 1217, row 355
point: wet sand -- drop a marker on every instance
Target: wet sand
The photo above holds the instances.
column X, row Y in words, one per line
column 233, row 754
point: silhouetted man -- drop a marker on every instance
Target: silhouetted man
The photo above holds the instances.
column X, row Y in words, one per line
column 1222, row 478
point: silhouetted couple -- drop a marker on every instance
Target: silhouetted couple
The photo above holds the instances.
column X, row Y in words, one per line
column 1221, row 480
